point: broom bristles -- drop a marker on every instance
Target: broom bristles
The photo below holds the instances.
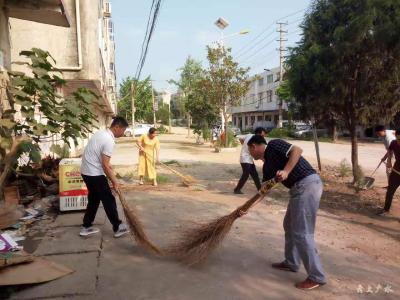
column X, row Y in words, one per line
column 136, row 227
column 196, row 244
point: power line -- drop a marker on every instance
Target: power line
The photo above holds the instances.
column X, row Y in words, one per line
column 258, row 50
column 266, row 29
column 151, row 24
column 244, row 52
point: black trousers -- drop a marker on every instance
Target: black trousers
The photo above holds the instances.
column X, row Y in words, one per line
column 248, row 169
column 99, row 190
column 394, row 183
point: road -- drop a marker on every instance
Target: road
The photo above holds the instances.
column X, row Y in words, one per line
column 357, row 250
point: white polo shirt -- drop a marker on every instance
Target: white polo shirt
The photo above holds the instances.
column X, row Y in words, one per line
column 102, row 142
column 245, row 157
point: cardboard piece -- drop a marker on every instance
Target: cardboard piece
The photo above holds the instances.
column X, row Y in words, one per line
column 11, row 195
column 40, row 270
column 14, row 258
column 9, row 215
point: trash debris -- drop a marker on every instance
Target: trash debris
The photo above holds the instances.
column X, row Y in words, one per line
column 28, row 273
column 9, row 215
column 14, row 258
column 31, row 213
column 11, row 196
column 7, row 244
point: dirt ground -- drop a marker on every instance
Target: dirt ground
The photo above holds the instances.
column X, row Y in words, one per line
column 358, row 248
column 359, row 251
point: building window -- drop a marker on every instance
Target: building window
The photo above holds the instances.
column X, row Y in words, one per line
column 259, row 118
column 260, row 98
column 261, row 82
column 111, row 67
column 270, row 78
column 269, row 96
column 278, row 77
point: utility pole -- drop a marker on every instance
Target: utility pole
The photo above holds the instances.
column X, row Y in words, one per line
column 281, row 56
column 154, row 106
column 169, row 116
column 133, row 103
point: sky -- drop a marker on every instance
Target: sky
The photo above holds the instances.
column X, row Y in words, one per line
column 185, row 27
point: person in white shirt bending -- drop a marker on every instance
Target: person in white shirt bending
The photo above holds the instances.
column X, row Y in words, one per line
column 94, row 169
column 388, row 137
column 247, row 162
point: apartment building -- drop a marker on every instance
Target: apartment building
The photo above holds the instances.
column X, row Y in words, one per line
column 84, row 50
column 260, row 104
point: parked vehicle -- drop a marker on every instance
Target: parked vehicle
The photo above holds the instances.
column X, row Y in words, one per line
column 267, row 125
column 138, row 130
column 236, row 130
column 306, row 133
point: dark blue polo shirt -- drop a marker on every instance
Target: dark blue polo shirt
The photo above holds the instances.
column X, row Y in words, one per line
column 275, row 159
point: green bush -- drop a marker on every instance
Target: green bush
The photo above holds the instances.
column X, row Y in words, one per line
column 344, row 168
column 162, row 129
column 279, row 133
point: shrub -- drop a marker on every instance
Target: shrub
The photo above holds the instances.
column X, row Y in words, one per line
column 344, row 168
column 279, row 133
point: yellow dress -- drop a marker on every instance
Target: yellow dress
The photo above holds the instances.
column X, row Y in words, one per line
column 147, row 160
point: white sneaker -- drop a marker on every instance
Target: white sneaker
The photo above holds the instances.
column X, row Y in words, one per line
column 88, row 231
column 122, row 229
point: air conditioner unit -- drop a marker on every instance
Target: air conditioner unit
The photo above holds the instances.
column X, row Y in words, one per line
column 257, row 105
column 107, row 9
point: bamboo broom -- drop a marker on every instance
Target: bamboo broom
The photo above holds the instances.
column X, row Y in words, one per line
column 196, row 244
column 187, row 180
column 136, row 227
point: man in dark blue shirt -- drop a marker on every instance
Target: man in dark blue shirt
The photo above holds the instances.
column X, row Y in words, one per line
column 283, row 161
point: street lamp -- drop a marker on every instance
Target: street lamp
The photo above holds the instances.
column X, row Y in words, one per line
column 221, row 23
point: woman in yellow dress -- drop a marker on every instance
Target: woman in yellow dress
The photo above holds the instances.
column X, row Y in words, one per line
column 149, row 151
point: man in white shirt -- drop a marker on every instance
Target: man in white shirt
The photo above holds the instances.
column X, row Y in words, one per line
column 247, row 162
column 388, row 137
column 94, row 169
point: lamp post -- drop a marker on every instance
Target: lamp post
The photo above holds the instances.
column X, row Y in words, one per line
column 221, row 23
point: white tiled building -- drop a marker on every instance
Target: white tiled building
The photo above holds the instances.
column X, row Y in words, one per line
column 260, row 103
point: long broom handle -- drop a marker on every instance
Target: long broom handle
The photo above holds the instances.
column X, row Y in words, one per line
column 266, row 186
column 166, row 166
column 376, row 169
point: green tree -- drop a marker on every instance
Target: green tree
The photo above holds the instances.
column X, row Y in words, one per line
column 162, row 113
column 143, row 98
column 190, row 73
column 225, row 82
column 203, row 111
column 69, row 118
column 347, row 63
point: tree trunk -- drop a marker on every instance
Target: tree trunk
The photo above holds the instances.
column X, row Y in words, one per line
column 188, row 124
column 317, row 147
column 334, row 132
column 9, row 160
column 354, row 151
column 226, row 130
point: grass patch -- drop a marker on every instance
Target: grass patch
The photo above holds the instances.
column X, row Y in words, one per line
column 172, row 162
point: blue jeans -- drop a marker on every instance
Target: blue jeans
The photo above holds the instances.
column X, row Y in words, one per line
column 299, row 225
